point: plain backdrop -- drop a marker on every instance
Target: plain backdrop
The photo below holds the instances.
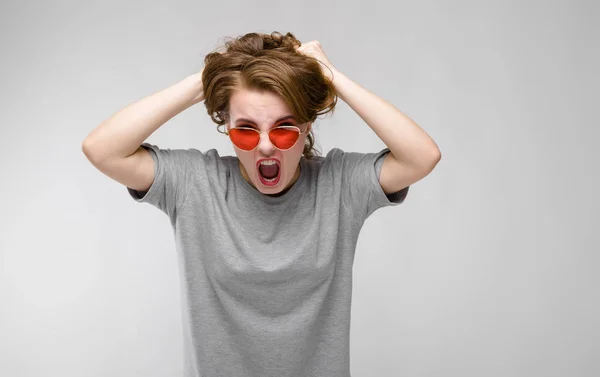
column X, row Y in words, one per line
column 489, row 268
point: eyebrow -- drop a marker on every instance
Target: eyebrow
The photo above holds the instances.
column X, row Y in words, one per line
column 277, row 121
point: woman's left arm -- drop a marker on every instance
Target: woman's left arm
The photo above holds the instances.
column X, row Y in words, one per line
column 413, row 153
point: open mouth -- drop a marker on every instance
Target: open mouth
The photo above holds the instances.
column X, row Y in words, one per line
column 269, row 171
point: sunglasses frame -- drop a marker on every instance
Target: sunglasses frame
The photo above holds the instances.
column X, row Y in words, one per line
column 300, row 132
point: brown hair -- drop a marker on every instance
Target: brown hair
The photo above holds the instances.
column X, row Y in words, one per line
column 268, row 62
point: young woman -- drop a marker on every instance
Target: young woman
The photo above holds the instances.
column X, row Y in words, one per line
column 265, row 239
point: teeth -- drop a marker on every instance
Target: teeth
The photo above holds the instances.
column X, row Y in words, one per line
column 268, row 162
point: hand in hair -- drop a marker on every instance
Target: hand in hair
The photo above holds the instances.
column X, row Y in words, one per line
column 313, row 49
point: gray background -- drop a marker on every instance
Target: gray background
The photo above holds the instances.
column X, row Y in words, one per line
column 487, row 269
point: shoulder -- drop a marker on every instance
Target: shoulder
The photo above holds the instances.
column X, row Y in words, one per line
column 341, row 159
column 334, row 155
column 183, row 155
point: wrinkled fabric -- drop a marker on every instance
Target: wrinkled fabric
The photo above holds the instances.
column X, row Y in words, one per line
column 266, row 281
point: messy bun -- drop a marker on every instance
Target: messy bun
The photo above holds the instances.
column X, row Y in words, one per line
column 268, row 62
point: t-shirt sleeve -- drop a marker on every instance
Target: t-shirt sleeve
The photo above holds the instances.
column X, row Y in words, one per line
column 173, row 175
column 361, row 189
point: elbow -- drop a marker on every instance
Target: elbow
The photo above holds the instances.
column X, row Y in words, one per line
column 437, row 157
column 436, row 154
column 86, row 146
column 89, row 150
column 434, row 159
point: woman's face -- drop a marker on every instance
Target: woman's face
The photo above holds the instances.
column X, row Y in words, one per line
column 263, row 111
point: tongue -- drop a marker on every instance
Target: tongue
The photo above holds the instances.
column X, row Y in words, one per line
column 269, row 171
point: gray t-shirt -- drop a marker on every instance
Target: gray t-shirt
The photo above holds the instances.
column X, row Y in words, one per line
column 266, row 281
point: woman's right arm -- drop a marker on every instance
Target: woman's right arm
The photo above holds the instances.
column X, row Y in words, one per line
column 114, row 146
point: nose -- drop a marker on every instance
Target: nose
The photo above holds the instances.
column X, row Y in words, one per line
column 265, row 146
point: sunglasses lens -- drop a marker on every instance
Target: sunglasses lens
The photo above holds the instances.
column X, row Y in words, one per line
column 244, row 138
column 284, row 138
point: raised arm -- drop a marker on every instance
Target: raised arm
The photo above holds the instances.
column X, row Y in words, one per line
column 113, row 147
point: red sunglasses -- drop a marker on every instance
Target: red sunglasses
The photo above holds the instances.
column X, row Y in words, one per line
column 247, row 138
